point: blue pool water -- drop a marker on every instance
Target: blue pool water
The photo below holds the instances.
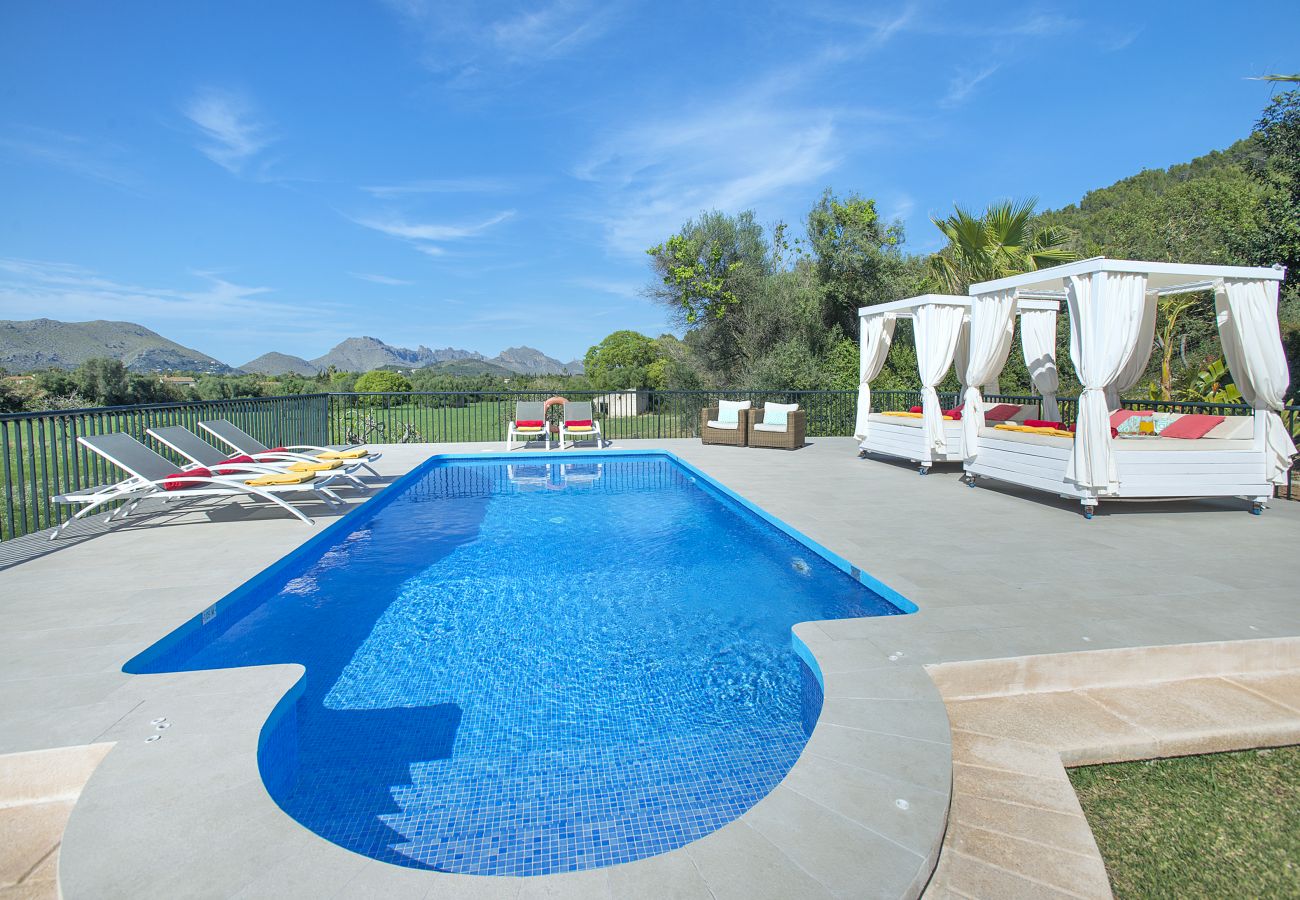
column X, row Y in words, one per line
column 533, row 666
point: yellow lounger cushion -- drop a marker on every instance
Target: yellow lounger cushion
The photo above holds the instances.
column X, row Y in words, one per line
column 354, row 453
column 324, row 466
column 578, row 428
column 528, row 429
column 912, row 415
column 1055, row 432
column 285, row 478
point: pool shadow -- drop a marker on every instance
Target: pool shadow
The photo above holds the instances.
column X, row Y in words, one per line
column 350, row 763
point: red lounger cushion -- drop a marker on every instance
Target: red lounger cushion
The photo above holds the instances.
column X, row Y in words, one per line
column 182, row 480
column 1190, row 427
column 953, row 413
column 578, row 423
column 916, row 409
column 242, row 458
column 1001, row 413
column 1040, row 423
column 529, row 423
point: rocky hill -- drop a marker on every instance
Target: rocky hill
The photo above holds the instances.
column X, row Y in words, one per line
column 43, row 343
column 280, row 364
column 360, row 354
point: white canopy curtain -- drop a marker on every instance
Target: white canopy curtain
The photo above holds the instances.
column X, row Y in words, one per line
column 1038, row 341
column 1136, row 366
column 1252, row 346
column 1106, row 316
column 877, row 335
column 992, row 323
column 937, row 328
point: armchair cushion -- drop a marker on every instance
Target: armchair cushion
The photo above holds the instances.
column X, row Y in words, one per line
column 729, row 410
column 776, row 413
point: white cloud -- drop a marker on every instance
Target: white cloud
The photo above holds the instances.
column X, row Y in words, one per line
column 469, row 185
column 213, row 309
column 234, row 133
column 381, row 279
column 628, row 289
column 426, row 236
column 72, row 153
column 462, row 39
column 964, row 83
column 653, row 176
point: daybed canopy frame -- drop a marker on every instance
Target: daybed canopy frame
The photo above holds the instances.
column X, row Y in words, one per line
column 1112, row 306
column 942, row 335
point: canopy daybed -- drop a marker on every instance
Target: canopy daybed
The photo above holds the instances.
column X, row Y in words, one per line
column 940, row 326
column 1112, row 306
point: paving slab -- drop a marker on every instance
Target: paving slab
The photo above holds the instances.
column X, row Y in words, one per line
column 71, row 613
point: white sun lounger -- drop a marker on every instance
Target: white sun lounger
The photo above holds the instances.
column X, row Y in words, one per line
column 198, row 451
column 579, row 412
column 526, row 411
column 241, row 441
column 148, row 470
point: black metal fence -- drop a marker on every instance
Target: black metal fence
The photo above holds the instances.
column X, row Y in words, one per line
column 40, row 456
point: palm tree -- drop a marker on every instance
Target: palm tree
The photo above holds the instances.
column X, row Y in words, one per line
column 1003, row 241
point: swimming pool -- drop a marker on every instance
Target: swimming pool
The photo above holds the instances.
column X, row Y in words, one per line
column 532, row 665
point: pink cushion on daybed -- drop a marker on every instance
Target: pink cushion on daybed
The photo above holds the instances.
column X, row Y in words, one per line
column 1191, row 427
column 954, row 413
column 916, row 409
column 1041, row 423
column 1001, row 413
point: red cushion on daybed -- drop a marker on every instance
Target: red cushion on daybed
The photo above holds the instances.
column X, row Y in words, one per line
column 182, row 480
column 242, row 459
column 1190, row 427
column 1001, row 413
column 578, row 423
column 1040, row 423
column 916, row 409
column 529, row 423
column 953, row 413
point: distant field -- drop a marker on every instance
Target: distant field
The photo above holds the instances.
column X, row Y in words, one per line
column 485, row 421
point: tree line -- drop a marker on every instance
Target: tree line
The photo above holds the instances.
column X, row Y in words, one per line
column 759, row 310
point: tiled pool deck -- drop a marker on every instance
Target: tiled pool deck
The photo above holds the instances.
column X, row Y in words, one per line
column 997, row 573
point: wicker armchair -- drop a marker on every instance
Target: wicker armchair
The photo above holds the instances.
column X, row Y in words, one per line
column 732, row 437
column 796, row 429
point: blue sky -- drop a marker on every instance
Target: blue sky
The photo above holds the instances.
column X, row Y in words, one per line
column 246, row 177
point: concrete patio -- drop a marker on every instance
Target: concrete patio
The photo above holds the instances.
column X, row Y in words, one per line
column 997, row 573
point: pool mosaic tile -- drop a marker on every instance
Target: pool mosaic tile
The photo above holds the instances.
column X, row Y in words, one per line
column 521, row 668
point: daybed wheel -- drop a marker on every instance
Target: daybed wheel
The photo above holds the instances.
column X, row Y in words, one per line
column 970, row 480
column 862, row 454
column 1087, row 512
column 923, row 470
column 1257, row 508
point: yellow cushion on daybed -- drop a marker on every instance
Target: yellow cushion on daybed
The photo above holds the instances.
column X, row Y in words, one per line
column 354, row 453
column 905, row 415
column 285, row 478
column 1056, row 432
column 324, row 466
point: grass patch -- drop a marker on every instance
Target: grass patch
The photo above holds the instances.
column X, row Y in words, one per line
column 1221, row 825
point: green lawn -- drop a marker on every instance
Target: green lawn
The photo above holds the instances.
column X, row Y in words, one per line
column 1222, row 825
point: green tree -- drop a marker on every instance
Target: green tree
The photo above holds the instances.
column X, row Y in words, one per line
column 1004, row 241
column 857, row 256
column 621, row 361
column 379, row 381
column 227, row 387
column 103, row 382
column 710, row 266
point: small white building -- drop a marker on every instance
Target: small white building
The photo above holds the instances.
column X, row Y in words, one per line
column 624, row 404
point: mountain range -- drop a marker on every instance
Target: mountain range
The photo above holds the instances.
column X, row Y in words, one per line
column 45, row 343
